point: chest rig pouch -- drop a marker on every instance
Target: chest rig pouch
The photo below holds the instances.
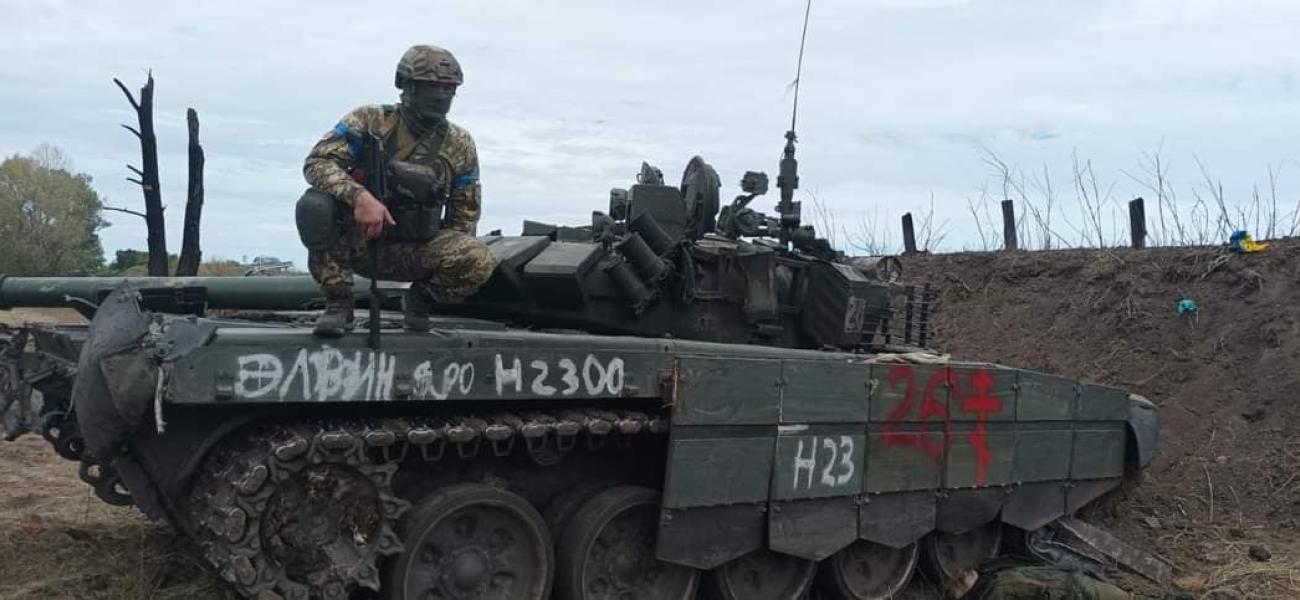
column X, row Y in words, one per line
column 416, row 201
column 417, row 189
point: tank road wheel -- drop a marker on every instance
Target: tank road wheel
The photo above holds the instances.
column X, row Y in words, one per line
column 761, row 575
column 867, row 571
column 561, row 508
column 948, row 554
column 607, row 552
column 472, row 541
column 296, row 513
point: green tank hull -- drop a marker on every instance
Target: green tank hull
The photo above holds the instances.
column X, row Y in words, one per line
column 605, row 418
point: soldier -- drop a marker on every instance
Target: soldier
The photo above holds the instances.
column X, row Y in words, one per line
column 425, row 232
column 1003, row 580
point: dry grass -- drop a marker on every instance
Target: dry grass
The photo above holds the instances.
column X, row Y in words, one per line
column 58, row 541
column 1273, row 579
column 1225, row 564
column 18, row 316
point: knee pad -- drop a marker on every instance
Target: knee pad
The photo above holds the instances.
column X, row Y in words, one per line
column 317, row 216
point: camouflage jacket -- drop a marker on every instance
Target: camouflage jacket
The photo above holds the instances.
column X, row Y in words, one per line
column 329, row 165
column 1049, row 583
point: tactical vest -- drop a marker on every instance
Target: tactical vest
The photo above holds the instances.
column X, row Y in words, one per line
column 417, row 189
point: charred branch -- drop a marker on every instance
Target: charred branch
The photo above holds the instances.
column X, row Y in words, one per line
column 130, row 98
column 127, row 211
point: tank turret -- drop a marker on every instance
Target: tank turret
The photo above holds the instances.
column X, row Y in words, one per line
column 661, row 262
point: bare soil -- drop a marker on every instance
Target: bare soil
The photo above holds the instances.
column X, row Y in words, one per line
column 1224, row 488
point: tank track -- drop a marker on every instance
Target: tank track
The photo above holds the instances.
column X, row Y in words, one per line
column 268, row 494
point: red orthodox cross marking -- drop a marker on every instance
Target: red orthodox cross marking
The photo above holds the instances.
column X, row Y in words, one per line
column 981, row 402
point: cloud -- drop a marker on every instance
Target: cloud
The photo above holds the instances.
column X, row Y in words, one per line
column 899, row 99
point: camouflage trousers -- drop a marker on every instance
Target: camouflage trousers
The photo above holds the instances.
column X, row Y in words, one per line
column 451, row 266
column 1047, row 583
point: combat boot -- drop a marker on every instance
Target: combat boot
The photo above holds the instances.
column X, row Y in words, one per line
column 336, row 319
column 415, row 310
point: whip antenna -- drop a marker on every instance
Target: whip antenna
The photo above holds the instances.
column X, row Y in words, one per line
column 798, row 72
column 787, row 179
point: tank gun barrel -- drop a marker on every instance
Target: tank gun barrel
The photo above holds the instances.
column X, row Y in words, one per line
column 252, row 293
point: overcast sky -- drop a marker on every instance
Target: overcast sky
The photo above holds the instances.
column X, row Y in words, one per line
column 901, row 99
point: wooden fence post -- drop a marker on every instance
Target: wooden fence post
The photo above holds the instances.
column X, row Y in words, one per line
column 1009, row 241
column 1137, row 222
column 909, row 235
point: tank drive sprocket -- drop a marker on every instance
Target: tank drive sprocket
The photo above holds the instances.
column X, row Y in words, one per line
column 297, row 512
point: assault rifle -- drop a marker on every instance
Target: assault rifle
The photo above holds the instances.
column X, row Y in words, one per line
column 375, row 167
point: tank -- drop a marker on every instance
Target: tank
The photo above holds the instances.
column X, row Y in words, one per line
column 678, row 398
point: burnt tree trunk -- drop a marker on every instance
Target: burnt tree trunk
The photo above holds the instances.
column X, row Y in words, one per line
column 191, row 255
column 147, row 178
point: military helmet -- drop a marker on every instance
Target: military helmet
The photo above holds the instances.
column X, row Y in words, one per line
column 428, row 63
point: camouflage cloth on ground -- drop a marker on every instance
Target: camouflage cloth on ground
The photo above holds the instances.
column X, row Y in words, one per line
column 1047, row 583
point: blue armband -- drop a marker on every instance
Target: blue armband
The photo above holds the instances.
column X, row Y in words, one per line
column 354, row 145
column 464, row 180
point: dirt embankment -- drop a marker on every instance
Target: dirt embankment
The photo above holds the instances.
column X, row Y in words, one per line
column 1225, row 489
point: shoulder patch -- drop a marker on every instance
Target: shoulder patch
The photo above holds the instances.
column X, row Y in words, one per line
column 358, row 124
column 353, row 140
